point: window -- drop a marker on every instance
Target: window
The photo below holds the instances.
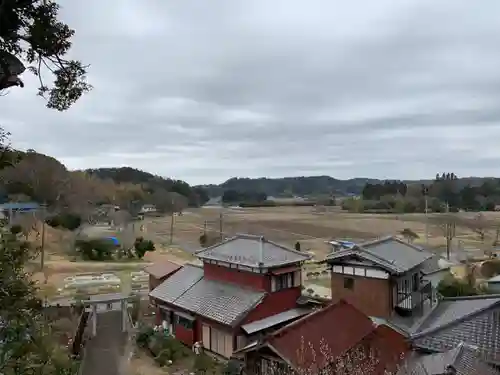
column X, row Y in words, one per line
column 283, row 281
column 186, row 323
column 348, row 283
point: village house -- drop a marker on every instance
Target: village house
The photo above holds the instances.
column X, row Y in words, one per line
column 227, row 302
column 473, row 321
column 338, row 339
column 463, row 359
column 394, row 282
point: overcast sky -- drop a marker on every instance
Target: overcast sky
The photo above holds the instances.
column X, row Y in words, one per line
column 208, row 90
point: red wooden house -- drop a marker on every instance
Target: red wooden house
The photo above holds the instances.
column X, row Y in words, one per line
column 246, row 286
column 338, row 339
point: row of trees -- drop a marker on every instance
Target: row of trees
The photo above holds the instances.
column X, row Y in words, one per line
column 44, row 179
column 445, row 192
column 237, row 196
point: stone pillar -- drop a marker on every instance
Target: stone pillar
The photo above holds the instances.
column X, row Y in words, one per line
column 124, row 315
column 94, row 320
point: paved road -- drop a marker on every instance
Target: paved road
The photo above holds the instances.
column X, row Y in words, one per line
column 104, row 353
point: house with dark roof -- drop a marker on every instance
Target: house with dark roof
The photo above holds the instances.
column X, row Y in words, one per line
column 385, row 278
column 461, row 360
column 247, row 285
column 474, row 321
column 327, row 341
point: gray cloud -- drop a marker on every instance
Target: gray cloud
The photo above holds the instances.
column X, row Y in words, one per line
column 207, row 91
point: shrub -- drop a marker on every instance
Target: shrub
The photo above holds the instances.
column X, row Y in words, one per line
column 142, row 246
column 203, row 364
column 66, row 220
column 95, row 249
column 16, row 229
column 453, row 287
column 258, row 204
column 143, row 337
column 232, row 367
column 490, row 268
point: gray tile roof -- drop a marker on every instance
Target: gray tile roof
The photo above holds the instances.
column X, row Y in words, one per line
column 177, row 284
column 472, row 320
column 274, row 320
column 401, row 254
column 465, row 359
column 222, row 302
column 249, row 250
column 390, row 253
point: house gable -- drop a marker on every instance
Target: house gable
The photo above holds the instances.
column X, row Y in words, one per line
column 361, row 256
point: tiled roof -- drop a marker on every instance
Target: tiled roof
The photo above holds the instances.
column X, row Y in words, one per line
column 472, row 320
column 162, row 269
column 302, row 340
column 389, row 253
column 177, row 284
column 403, row 255
column 464, row 359
column 249, row 250
column 221, row 302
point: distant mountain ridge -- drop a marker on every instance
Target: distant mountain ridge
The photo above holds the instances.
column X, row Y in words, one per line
column 311, row 185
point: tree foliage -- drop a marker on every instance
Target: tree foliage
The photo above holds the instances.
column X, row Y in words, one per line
column 32, row 32
column 154, row 184
column 445, row 193
column 27, row 346
column 235, row 196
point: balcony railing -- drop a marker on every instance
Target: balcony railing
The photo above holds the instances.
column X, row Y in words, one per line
column 410, row 300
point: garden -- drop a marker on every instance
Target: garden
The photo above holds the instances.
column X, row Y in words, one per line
column 167, row 352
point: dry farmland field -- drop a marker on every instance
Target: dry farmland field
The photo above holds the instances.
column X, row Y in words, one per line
column 287, row 225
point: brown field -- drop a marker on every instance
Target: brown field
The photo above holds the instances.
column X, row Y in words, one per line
column 285, row 225
column 290, row 224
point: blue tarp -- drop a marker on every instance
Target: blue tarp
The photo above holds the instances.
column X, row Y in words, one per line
column 25, row 206
column 114, row 240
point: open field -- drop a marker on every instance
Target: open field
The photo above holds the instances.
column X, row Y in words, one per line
column 288, row 225
column 285, row 225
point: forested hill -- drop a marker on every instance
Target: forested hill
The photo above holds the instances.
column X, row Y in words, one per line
column 309, row 186
column 150, row 182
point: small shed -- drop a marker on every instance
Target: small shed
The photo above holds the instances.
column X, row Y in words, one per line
column 159, row 272
column 494, row 284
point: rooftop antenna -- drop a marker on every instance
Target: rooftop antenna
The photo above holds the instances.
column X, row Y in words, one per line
column 261, row 250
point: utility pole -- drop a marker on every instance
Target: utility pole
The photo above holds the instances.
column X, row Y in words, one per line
column 42, row 247
column 425, row 192
column 205, row 228
column 172, row 223
column 450, row 229
column 426, row 222
column 172, row 228
column 220, row 226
